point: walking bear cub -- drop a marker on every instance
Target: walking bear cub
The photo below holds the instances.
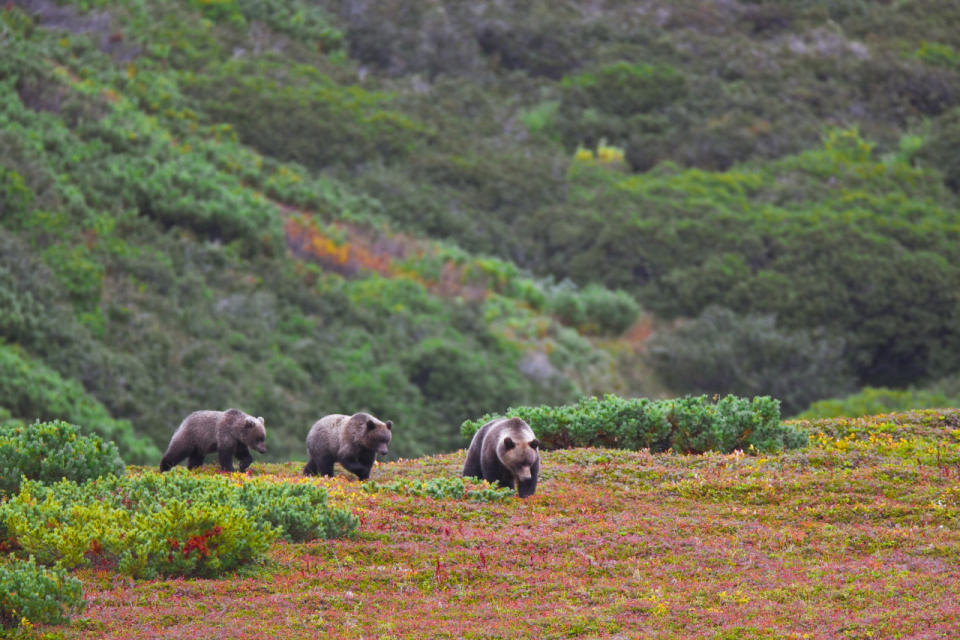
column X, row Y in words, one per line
column 353, row 441
column 231, row 433
column 507, row 452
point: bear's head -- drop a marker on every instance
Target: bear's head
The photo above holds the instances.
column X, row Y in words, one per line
column 254, row 434
column 519, row 456
column 374, row 434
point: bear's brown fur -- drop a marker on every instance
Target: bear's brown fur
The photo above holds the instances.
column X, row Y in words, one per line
column 505, row 451
column 353, row 441
column 230, row 432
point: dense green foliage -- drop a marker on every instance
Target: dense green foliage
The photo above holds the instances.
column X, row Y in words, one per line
column 36, row 594
column 51, row 451
column 749, row 355
column 165, row 524
column 29, row 388
column 433, row 211
column 692, row 424
column 873, row 401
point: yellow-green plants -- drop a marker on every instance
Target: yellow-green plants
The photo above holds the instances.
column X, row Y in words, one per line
column 164, row 525
column 51, row 451
column 33, row 593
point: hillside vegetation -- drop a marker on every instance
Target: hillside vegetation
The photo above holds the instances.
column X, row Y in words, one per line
column 434, row 211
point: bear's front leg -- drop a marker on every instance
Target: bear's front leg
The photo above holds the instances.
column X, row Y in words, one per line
column 226, row 458
column 244, row 457
column 357, row 467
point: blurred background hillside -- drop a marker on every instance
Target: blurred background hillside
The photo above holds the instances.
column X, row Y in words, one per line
column 436, row 210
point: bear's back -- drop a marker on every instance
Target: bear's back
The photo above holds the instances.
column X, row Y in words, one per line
column 326, row 432
column 200, row 428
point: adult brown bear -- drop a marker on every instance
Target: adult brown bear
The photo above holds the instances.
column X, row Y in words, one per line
column 231, row 433
column 505, row 451
column 353, row 441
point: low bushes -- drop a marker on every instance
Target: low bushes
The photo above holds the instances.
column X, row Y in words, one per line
column 440, row 488
column 51, row 451
column 32, row 390
column 33, row 593
column 692, row 424
column 165, row 525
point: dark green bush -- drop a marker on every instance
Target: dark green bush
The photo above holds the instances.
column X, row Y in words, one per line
column 299, row 510
column 30, row 391
column 722, row 352
column 685, row 425
column 624, row 89
column 608, row 312
column 166, row 524
column 940, row 149
column 35, row 594
column 51, row 451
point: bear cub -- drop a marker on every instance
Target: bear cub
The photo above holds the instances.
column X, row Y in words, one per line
column 505, row 451
column 231, row 433
column 353, row 441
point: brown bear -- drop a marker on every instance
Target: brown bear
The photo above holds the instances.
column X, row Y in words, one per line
column 505, row 451
column 229, row 432
column 353, row 441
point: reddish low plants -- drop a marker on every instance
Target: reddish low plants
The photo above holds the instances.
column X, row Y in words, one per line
column 855, row 536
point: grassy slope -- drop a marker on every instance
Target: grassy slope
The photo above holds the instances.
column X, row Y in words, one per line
column 856, row 536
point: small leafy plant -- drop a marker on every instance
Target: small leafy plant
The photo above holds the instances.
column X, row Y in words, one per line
column 33, row 593
column 692, row 424
column 51, row 451
column 440, row 488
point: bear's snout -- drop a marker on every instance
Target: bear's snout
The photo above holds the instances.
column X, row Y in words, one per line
column 382, row 449
column 261, row 447
column 523, row 473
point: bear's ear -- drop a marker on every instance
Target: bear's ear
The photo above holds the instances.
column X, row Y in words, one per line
column 534, row 443
column 371, row 425
column 389, row 425
column 508, row 443
column 261, row 420
column 249, row 423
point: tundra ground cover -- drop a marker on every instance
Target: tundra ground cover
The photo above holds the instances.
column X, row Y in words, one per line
column 855, row 536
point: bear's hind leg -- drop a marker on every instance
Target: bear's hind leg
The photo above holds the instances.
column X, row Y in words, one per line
column 196, row 459
column 226, row 458
column 324, row 466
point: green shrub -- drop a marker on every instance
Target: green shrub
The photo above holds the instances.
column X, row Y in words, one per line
column 871, row 401
column 624, row 89
column 940, row 148
column 51, row 451
column 30, row 390
column 166, row 524
column 692, row 424
column 439, row 488
column 608, row 312
column 32, row 593
column 722, row 352
column 568, row 307
column 299, row 510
